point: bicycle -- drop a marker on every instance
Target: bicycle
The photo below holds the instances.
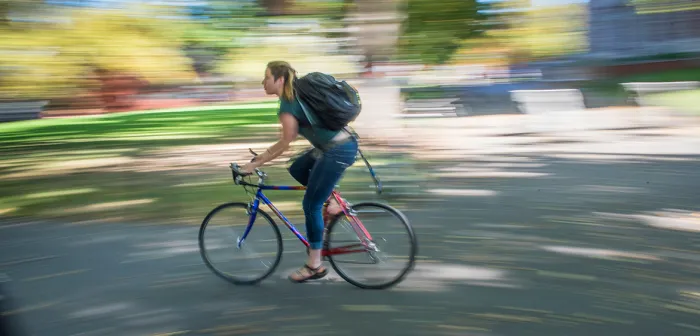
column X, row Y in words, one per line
column 362, row 243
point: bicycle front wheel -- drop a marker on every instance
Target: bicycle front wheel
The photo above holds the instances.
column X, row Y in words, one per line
column 255, row 259
column 377, row 263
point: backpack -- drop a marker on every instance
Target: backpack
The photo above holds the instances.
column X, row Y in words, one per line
column 332, row 104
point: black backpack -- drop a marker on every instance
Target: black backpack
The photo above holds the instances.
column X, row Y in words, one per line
column 332, row 104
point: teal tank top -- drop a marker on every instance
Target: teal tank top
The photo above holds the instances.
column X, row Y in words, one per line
column 317, row 136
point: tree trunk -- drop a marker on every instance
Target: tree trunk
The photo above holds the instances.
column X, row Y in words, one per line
column 276, row 7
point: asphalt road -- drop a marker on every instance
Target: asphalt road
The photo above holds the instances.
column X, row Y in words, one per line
column 558, row 247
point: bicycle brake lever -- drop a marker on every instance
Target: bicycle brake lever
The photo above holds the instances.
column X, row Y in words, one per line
column 237, row 169
column 255, row 155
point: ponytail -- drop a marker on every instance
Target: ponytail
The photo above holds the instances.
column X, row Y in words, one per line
column 283, row 69
column 288, row 90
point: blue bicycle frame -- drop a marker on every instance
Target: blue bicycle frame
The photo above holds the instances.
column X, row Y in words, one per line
column 256, row 204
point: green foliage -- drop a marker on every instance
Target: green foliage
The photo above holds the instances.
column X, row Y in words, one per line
column 662, row 6
column 57, row 60
column 434, row 30
column 543, row 32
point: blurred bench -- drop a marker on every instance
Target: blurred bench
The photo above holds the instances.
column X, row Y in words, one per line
column 638, row 91
column 550, row 110
column 15, row 111
column 431, row 108
column 208, row 93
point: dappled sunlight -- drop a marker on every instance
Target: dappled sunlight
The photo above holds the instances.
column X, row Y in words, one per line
column 484, row 173
column 199, row 184
column 599, row 253
column 694, row 295
column 88, row 153
column 437, row 277
column 673, row 220
column 59, row 193
column 5, row 211
column 463, row 192
column 611, row 189
column 670, row 219
column 66, row 167
column 51, row 165
column 619, row 158
column 88, row 163
column 96, row 207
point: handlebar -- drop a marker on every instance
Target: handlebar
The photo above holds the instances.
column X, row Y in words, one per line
column 238, row 174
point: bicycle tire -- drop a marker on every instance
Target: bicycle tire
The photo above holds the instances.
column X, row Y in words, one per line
column 413, row 249
column 225, row 276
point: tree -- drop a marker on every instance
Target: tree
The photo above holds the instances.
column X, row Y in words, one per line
column 57, row 60
column 659, row 6
column 9, row 7
column 434, row 30
column 276, row 7
column 536, row 33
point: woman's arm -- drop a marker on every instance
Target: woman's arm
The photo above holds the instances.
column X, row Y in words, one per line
column 290, row 130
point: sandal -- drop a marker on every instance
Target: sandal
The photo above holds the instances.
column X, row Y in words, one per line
column 314, row 273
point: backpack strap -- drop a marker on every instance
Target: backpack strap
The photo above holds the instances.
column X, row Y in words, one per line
column 309, row 115
column 375, row 178
column 351, row 131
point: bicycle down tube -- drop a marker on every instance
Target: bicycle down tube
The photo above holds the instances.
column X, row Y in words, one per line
column 259, row 196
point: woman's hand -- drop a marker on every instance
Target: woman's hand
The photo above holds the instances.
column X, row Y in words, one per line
column 290, row 129
column 249, row 168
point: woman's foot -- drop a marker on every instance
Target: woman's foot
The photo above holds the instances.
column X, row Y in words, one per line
column 333, row 207
column 331, row 210
column 308, row 273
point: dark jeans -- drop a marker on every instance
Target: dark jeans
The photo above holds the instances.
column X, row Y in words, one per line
column 320, row 175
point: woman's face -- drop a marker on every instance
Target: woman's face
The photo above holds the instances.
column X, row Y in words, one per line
column 272, row 86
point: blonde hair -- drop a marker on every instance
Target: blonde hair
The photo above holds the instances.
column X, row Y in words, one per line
column 283, row 69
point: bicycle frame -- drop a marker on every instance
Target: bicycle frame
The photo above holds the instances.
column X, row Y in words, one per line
column 355, row 222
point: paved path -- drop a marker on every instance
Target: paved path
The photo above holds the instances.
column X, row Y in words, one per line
column 511, row 244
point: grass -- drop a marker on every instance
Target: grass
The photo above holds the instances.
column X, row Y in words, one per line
column 612, row 87
column 166, row 166
column 137, row 130
column 683, row 101
column 86, row 168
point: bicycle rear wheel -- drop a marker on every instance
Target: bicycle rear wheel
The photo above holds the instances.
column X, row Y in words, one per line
column 218, row 244
column 370, row 263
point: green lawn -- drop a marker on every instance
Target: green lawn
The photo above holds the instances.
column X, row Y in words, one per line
column 612, row 86
column 682, row 101
column 117, row 166
column 134, row 131
column 167, row 166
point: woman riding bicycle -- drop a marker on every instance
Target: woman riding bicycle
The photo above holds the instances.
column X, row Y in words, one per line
column 319, row 170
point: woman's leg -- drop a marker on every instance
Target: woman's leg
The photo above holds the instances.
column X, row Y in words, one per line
column 301, row 167
column 324, row 175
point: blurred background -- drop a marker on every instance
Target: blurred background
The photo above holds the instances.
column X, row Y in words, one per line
column 546, row 152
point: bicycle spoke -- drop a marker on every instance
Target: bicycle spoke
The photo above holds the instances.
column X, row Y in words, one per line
column 219, row 241
column 383, row 261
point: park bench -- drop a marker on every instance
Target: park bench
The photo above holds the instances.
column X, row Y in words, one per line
column 208, row 93
column 639, row 92
column 431, row 108
column 550, row 110
column 15, row 111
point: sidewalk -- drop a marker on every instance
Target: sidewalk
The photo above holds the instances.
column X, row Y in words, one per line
column 623, row 130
